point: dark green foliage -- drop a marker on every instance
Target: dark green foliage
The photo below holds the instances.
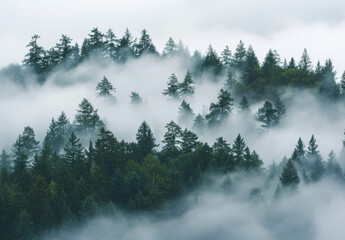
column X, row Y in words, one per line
column 173, row 87
column 145, row 45
column 333, row 168
column 221, row 110
column 289, row 177
column 230, row 80
column 280, row 110
column 239, row 57
column 238, row 150
column 222, row 160
column 250, row 67
column 5, row 161
column 226, row 57
column 125, row 48
column 172, row 137
column 212, row 63
column 186, row 88
column 35, row 58
column 317, row 168
column 105, row 88
column 87, row 119
column 135, row 98
column 145, row 140
column 244, row 104
column 267, row 115
column 189, row 141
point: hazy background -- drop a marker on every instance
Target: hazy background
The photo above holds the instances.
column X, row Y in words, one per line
column 287, row 27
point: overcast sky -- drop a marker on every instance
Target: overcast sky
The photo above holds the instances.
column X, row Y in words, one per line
column 287, row 26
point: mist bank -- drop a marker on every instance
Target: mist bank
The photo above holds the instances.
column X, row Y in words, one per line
column 36, row 105
column 215, row 211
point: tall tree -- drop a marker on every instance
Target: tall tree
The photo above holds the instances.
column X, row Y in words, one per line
column 125, row 48
column 238, row 149
column 244, row 104
column 170, row 48
column 189, row 141
column 239, row 57
column 221, row 110
column 110, row 44
column 230, row 80
column 289, row 177
column 87, row 118
column 135, row 98
column 250, row 67
column 173, row 87
column 212, row 63
column 172, row 137
column 34, row 59
column 280, row 110
column 226, row 57
column 186, row 114
column 317, row 168
column 105, row 88
column 199, row 124
column 267, row 115
column 186, row 88
column 145, row 45
column 305, row 62
column 145, row 140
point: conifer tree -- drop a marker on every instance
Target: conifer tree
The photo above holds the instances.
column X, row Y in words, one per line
column 222, row 158
column 5, row 161
column 226, row 57
column 280, row 110
column 267, row 115
column 220, row 110
column 199, row 124
column 305, row 63
column 173, row 87
column 172, row 137
column 230, row 80
column 317, row 167
column 145, row 140
column 289, row 178
column 189, row 141
column 244, row 104
column 73, row 151
column 125, row 47
column 250, row 66
column 212, row 63
column 135, row 98
column 110, row 44
column 145, row 45
column 186, row 114
column 35, row 58
column 105, row 88
column 239, row 57
column 87, row 118
column 238, row 149
column 170, row 48
column 186, row 88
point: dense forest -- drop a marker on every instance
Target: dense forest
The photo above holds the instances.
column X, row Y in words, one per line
column 81, row 169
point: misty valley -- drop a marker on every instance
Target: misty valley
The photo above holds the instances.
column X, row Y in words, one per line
column 112, row 139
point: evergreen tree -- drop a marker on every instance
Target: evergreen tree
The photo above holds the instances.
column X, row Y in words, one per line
column 145, row 140
column 292, row 64
column 299, row 151
column 95, row 42
column 250, row 66
column 199, row 124
column 74, row 151
column 64, row 48
column 270, row 65
column 189, row 141
column 230, row 80
column 238, row 149
column 221, row 110
column 173, row 87
column 125, row 48
column 333, row 168
column 135, row 98
column 104, row 88
column 172, row 137
column 239, row 56
column 317, row 168
column 244, row 104
column 186, row 114
column 280, row 110
column 5, row 161
column 267, row 115
column 186, row 88
column 222, row 158
column 87, row 118
column 212, row 63
column 329, row 87
column 289, row 177
column 35, row 58
column 305, row 63
column 342, row 84
column 145, row 45
column 226, row 57
column 110, row 44
column 170, row 48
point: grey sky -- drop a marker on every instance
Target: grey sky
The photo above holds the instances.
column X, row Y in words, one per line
column 287, row 26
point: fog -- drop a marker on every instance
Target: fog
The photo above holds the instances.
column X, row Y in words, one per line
column 218, row 212
column 36, row 105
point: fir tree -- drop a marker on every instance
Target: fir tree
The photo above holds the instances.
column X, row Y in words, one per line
column 172, row 137
column 220, row 110
column 125, row 47
column 237, row 149
column 145, row 45
column 244, row 104
column 267, row 115
column 289, row 177
column 145, row 140
column 170, row 48
column 212, row 63
column 186, row 114
column 186, row 88
column 35, row 58
column 110, row 44
column 199, row 124
column 226, row 57
column 135, row 98
column 250, row 66
column 239, row 56
column 280, row 110
column 105, row 88
column 305, row 63
column 230, row 80
column 189, row 141
column 173, row 87
column 87, row 118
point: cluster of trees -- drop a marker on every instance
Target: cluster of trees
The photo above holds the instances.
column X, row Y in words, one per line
column 243, row 72
column 176, row 90
column 60, row 180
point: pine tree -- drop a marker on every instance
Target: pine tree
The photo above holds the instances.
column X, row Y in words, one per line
column 299, row 150
column 172, row 137
column 250, row 66
column 239, row 56
column 135, row 98
column 280, row 110
column 212, row 63
column 125, row 48
column 5, row 161
column 305, row 63
column 145, row 140
column 267, row 115
column 329, row 87
column 289, row 177
column 104, row 88
column 87, row 118
column 226, row 57
column 342, row 84
column 73, row 151
column 238, row 149
column 173, row 87
column 221, row 110
column 230, row 80
column 145, row 45
column 189, row 141
column 35, row 58
column 186, row 88
column 186, row 114
column 170, row 48
column 317, row 167
column 244, row 105
column 222, row 158
column 333, row 168
column 110, row 44
column 270, row 65
column 292, row 64
column 95, row 42
column 199, row 124
column 64, row 48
